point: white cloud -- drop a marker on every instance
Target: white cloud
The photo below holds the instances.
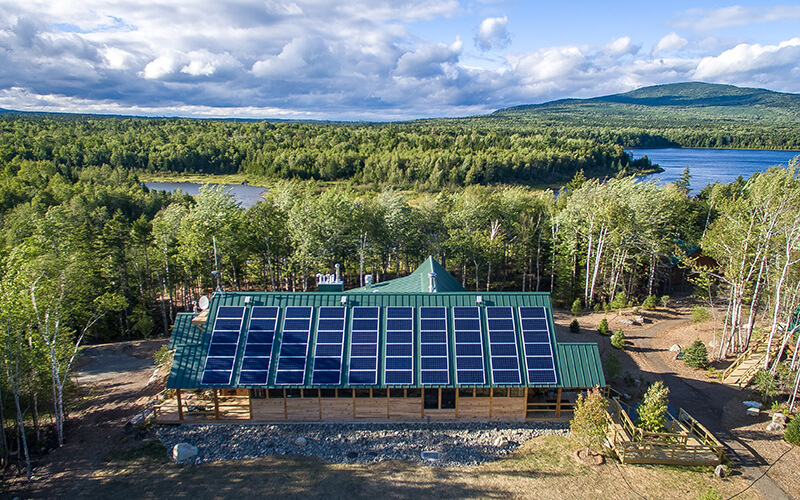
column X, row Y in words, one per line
column 622, row 46
column 492, row 33
column 670, row 43
column 749, row 59
column 429, row 60
column 727, row 17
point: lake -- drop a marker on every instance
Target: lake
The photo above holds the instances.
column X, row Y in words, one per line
column 245, row 194
column 708, row 166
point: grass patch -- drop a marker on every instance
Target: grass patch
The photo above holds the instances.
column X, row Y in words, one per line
column 541, row 468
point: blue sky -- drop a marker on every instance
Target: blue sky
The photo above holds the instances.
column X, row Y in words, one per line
column 376, row 59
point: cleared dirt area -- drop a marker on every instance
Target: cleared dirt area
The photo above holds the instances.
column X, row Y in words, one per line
column 100, row 460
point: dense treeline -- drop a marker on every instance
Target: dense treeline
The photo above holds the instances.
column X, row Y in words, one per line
column 427, row 156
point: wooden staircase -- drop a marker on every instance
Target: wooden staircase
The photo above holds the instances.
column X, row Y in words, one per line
column 747, row 364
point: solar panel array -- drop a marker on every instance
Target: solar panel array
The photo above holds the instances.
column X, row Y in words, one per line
column 469, row 345
column 503, row 351
column 294, row 346
column 430, row 336
column 218, row 368
column 330, row 346
column 538, row 350
column 399, row 368
column 434, row 357
column 364, row 346
column 258, row 346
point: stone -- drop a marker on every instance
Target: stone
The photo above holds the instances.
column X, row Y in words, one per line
column 183, row 452
column 301, row 441
column 638, row 319
column 626, row 321
column 719, row 471
column 675, row 348
column 753, row 412
column 500, row 442
column 776, row 427
column 779, row 418
column 352, row 454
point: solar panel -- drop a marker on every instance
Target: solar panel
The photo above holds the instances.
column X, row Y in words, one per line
column 364, row 346
column 218, row 368
column 330, row 346
column 258, row 346
column 503, row 352
column 469, row 345
column 434, row 361
column 294, row 346
column 538, row 349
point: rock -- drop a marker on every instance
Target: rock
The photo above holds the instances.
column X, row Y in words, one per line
column 626, row 321
column 776, row 427
column 301, row 441
column 183, row 452
column 779, row 418
column 719, row 471
column 753, row 412
column 675, row 348
column 500, row 442
column 352, row 454
column 638, row 319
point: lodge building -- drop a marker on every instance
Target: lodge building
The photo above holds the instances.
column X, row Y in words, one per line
column 417, row 348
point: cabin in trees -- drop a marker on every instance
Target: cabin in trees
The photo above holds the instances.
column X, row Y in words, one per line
column 417, row 348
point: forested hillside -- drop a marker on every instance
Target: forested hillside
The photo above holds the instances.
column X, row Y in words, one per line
column 676, row 115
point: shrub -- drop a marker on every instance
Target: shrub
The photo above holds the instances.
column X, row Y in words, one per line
column 612, row 365
column 163, row 357
column 653, row 409
column 766, row 385
column 576, row 309
column 650, row 303
column 589, row 423
column 696, row 355
column 792, row 432
column 575, row 327
column 700, row 314
column 618, row 339
column 620, row 301
column 602, row 328
column 664, row 301
column 710, row 494
column 606, row 307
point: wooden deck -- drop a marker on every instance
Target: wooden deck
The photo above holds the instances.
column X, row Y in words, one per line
column 687, row 443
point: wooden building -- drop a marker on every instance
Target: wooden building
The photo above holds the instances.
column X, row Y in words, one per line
column 418, row 348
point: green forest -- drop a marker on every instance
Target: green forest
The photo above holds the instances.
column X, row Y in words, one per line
column 90, row 255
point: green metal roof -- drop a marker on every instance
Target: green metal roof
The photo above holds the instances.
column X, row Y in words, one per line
column 417, row 281
column 579, row 365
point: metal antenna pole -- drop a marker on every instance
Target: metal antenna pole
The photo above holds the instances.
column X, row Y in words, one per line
column 216, row 263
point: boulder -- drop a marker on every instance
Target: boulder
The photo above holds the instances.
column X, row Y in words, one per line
column 779, row 418
column 675, row 348
column 753, row 412
column 719, row 471
column 500, row 442
column 301, row 441
column 776, row 427
column 183, row 452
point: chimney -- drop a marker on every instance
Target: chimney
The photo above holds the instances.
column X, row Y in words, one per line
column 431, row 282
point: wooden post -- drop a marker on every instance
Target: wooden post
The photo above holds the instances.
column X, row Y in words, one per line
column 250, row 402
column 457, row 403
column 216, row 404
column 558, row 403
column 491, row 397
column 285, row 408
column 180, row 406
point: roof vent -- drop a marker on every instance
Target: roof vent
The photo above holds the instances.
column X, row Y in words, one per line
column 330, row 282
column 368, row 279
column 431, row 282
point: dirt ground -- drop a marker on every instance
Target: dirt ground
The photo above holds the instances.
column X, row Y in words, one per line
column 113, row 379
column 647, row 358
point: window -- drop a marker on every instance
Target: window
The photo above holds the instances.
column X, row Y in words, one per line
column 294, row 393
column 448, row 399
column 397, row 393
column 275, row 393
column 378, row 393
column 362, row 393
column 258, row 393
column 327, row 393
column 414, row 393
column 311, row 393
column 483, row 392
column 431, row 399
column 466, row 393
column 345, row 393
column 516, row 392
column 500, row 392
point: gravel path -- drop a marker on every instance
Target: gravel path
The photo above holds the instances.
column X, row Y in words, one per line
column 457, row 443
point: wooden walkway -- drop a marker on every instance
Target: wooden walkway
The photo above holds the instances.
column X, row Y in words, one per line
column 748, row 364
column 687, row 443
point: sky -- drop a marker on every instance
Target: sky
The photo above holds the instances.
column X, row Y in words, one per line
column 376, row 60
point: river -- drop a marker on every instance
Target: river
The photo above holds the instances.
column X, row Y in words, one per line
column 245, row 194
column 708, row 166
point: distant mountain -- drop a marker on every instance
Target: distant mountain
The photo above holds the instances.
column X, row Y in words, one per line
column 680, row 103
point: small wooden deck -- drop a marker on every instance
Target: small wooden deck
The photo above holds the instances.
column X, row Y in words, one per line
column 687, row 443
